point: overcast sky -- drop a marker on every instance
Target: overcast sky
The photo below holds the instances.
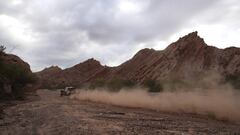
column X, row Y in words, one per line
column 67, row 32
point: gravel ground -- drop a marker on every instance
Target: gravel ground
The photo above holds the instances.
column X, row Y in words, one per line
column 55, row 115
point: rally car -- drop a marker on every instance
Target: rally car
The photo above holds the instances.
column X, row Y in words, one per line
column 67, row 91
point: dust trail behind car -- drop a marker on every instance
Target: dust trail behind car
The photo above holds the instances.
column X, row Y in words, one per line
column 220, row 104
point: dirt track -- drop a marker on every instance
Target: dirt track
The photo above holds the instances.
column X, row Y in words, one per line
column 62, row 116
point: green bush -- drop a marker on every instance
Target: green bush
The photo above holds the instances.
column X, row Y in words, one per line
column 234, row 80
column 118, row 84
column 115, row 85
column 129, row 83
column 112, row 85
column 176, row 84
column 17, row 76
column 153, row 85
column 97, row 84
column 14, row 75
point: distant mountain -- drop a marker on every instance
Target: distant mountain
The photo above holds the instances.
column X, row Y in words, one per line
column 76, row 75
column 187, row 58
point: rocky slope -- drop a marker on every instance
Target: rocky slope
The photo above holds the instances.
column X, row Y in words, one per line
column 186, row 58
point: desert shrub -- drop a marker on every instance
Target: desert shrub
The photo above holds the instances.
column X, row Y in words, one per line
column 153, row 85
column 115, row 85
column 112, row 85
column 118, row 84
column 17, row 76
column 14, row 75
column 97, row 84
column 17, row 73
column 129, row 83
column 176, row 84
column 234, row 80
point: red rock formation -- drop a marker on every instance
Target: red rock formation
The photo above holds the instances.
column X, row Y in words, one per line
column 186, row 58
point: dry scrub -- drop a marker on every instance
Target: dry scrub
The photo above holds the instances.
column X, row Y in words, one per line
column 221, row 104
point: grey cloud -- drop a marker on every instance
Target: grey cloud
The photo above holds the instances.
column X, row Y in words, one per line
column 101, row 21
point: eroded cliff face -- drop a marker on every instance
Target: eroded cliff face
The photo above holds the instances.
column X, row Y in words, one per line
column 186, row 58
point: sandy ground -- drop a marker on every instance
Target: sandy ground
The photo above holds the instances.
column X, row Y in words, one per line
column 55, row 115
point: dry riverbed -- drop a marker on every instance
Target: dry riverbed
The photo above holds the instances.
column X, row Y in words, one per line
column 55, row 115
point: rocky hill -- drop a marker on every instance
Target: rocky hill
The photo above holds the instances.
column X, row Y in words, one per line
column 187, row 58
column 77, row 75
column 15, row 76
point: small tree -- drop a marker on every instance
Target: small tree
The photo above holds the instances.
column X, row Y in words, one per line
column 153, row 85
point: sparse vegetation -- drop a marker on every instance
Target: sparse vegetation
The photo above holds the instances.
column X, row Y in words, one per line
column 153, row 85
column 14, row 77
column 234, row 80
column 97, row 84
column 17, row 77
column 112, row 85
column 176, row 84
column 117, row 84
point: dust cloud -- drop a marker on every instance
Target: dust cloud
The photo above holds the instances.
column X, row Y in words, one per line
column 220, row 104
